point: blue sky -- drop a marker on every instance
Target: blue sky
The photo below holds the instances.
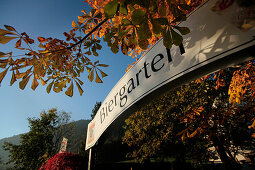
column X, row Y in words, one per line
column 50, row 18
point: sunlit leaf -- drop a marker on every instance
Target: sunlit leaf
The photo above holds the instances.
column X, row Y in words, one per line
column 103, row 74
column 10, row 28
column 5, row 32
column 42, row 40
column 18, row 43
column 43, row 82
column 103, row 65
column 23, row 83
column 49, row 87
column 13, row 78
column 79, row 88
column 91, row 75
column 81, row 83
column 69, row 91
column 98, row 80
column 74, row 25
column 2, row 75
column 34, row 84
column 5, row 39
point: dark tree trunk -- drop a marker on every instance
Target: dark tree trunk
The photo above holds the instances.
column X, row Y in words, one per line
column 229, row 161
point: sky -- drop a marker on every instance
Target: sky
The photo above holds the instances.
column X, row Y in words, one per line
column 50, row 18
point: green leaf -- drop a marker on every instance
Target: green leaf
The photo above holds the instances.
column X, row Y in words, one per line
column 138, row 16
column 143, row 44
column 167, row 39
column 177, row 38
column 91, row 75
column 126, row 22
column 5, row 39
column 110, row 8
column 144, row 31
column 162, row 21
column 79, row 88
column 123, row 8
column 182, row 30
column 115, row 48
column 156, row 27
column 69, row 91
column 23, row 83
column 2, row 75
column 49, row 87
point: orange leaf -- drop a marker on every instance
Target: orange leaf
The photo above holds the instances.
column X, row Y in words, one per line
column 18, row 43
column 42, row 40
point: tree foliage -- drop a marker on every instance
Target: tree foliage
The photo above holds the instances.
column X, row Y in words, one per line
column 95, row 109
column 218, row 108
column 131, row 26
column 41, row 142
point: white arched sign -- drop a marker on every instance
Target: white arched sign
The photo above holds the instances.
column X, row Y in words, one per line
column 215, row 35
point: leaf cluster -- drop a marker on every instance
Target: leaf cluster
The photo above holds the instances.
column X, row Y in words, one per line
column 195, row 113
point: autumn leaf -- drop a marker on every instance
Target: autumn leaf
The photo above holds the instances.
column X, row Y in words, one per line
column 18, row 43
column 13, row 78
column 10, row 28
column 42, row 40
column 69, row 91
column 91, row 75
column 49, row 87
column 34, row 83
column 5, row 39
column 79, row 88
column 2, row 75
column 98, row 80
column 23, row 83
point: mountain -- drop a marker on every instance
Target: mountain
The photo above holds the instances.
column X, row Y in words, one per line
column 74, row 141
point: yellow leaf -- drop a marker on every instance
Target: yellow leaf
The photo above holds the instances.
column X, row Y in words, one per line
column 183, row 137
column 91, row 75
column 193, row 134
column 49, row 87
column 69, row 91
column 5, row 39
column 43, row 82
column 98, row 80
column 41, row 46
column 34, row 84
column 23, row 83
column 81, row 83
column 79, row 88
column 5, row 32
column 2, row 75
column 13, row 78
column 81, row 19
